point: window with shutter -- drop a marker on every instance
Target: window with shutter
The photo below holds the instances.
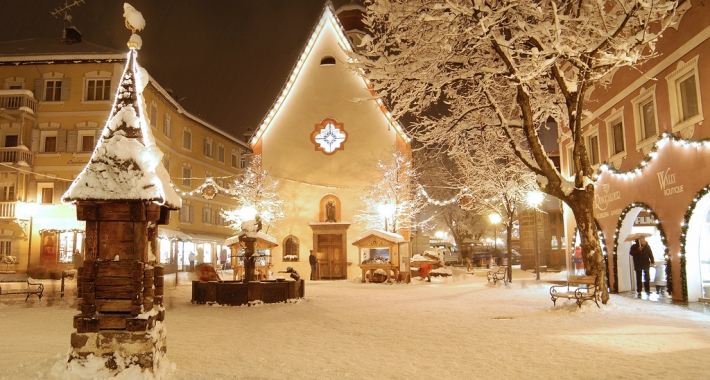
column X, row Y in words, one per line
column 53, row 90
column 168, row 126
column 187, row 139
column 186, row 175
column 685, row 95
column 97, row 90
column 153, row 115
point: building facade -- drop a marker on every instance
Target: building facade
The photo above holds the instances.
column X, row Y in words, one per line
column 322, row 144
column 648, row 138
column 54, row 101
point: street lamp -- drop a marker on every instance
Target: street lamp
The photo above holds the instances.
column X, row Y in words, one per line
column 534, row 200
column 386, row 210
column 27, row 210
column 495, row 219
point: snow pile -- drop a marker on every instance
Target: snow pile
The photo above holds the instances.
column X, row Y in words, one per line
column 133, row 18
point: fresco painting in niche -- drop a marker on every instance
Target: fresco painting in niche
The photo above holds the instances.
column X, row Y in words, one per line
column 48, row 251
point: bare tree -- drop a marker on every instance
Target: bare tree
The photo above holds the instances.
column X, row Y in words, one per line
column 392, row 202
column 256, row 192
column 460, row 66
column 495, row 181
column 437, row 176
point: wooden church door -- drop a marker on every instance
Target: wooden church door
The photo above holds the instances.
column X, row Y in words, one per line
column 330, row 257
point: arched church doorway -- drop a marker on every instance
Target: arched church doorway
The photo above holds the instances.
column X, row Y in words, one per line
column 639, row 220
column 697, row 253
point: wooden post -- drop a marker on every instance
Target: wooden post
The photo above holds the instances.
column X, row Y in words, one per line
column 249, row 243
column 119, row 286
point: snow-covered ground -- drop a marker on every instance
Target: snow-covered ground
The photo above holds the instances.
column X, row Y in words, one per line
column 457, row 328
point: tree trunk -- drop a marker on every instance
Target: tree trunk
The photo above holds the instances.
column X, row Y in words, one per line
column 582, row 204
column 508, row 242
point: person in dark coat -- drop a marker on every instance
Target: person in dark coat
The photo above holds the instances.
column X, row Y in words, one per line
column 643, row 258
column 312, row 260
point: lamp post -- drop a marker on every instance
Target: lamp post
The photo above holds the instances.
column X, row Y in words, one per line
column 534, row 200
column 386, row 210
column 495, row 219
column 27, row 210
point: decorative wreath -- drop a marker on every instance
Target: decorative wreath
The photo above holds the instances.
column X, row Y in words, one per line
column 209, row 191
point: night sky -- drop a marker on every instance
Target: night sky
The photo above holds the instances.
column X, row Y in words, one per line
column 226, row 60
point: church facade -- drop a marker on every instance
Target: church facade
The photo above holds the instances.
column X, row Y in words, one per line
column 321, row 140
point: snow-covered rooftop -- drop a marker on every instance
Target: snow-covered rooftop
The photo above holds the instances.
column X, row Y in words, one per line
column 389, row 236
column 52, row 49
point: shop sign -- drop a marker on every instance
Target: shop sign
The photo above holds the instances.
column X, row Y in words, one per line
column 666, row 181
column 601, row 201
column 77, row 162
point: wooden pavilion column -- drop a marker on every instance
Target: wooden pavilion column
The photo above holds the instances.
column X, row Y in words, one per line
column 121, row 289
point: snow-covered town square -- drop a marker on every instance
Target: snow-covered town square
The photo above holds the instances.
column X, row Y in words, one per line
column 364, row 189
column 458, row 328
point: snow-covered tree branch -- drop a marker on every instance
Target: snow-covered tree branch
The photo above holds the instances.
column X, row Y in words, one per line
column 256, row 193
column 393, row 202
column 460, row 66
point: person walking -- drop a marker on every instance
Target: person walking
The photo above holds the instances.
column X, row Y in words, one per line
column 312, row 260
column 192, row 257
column 643, row 258
column 578, row 261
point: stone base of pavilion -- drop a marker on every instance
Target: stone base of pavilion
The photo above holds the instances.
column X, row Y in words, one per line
column 119, row 350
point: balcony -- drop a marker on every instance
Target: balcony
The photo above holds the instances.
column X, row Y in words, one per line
column 18, row 100
column 15, row 155
column 7, row 210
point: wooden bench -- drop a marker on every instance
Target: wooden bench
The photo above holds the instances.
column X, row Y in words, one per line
column 579, row 288
column 32, row 288
column 498, row 275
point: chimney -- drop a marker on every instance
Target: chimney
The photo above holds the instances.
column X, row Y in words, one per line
column 71, row 35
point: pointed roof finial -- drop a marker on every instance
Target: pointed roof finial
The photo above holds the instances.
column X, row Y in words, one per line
column 134, row 22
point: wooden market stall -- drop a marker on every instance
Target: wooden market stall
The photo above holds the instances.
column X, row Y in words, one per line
column 379, row 251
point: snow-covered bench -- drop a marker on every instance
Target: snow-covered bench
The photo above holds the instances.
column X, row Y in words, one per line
column 32, row 288
column 579, row 288
column 498, row 275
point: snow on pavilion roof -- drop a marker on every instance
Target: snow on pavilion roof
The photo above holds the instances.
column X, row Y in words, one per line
column 258, row 235
column 126, row 163
column 328, row 16
column 388, row 236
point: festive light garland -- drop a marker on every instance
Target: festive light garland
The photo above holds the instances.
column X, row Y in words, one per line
column 663, row 139
column 683, row 237
column 208, row 189
column 456, row 197
column 664, row 241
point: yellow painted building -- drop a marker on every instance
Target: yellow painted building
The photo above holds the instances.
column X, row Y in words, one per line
column 54, row 101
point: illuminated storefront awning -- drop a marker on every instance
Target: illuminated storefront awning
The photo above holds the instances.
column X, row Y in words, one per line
column 168, row 234
column 202, row 237
column 58, row 224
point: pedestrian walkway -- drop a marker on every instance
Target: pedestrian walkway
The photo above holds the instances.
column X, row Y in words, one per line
column 665, row 299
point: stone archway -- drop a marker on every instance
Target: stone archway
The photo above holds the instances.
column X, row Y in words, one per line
column 624, row 276
column 695, row 261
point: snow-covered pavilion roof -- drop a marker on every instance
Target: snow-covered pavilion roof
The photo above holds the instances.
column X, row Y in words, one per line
column 388, row 236
column 126, row 163
column 258, row 235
